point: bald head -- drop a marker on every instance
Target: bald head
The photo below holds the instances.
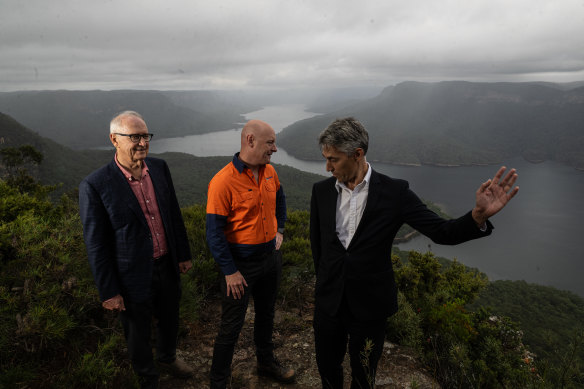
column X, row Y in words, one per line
column 254, row 128
column 258, row 142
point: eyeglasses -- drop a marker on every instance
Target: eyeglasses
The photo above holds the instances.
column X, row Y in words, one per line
column 136, row 137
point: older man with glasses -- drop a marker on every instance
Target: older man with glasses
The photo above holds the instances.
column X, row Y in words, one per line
column 137, row 245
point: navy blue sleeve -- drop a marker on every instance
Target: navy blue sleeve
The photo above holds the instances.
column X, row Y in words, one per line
column 97, row 233
column 218, row 243
column 281, row 215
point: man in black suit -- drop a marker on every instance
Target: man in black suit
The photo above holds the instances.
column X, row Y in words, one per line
column 136, row 245
column 354, row 217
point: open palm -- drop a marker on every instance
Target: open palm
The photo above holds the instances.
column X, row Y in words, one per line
column 494, row 194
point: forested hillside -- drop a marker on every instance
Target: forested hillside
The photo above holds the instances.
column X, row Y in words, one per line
column 78, row 119
column 460, row 123
column 191, row 174
column 553, row 320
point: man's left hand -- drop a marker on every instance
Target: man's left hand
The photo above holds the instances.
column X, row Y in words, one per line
column 185, row 266
column 279, row 239
column 493, row 195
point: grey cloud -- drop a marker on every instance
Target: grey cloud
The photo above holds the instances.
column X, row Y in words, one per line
column 234, row 44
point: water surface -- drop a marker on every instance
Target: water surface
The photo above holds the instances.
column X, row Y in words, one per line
column 536, row 237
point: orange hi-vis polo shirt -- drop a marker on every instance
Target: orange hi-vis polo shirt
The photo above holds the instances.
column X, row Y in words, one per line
column 243, row 215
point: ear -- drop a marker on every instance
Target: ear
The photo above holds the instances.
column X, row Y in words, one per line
column 113, row 139
column 359, row 154
column 250, row 139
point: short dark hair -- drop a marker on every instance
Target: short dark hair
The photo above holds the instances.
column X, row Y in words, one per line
column 345, row 135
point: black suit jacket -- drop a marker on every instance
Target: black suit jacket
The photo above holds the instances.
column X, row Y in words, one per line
column 363, row 272
column 117, row 236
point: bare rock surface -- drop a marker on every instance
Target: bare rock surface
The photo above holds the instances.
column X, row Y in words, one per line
column 294, row 341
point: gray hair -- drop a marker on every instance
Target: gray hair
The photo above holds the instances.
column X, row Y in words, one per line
column 116, row 123
column 346, row 135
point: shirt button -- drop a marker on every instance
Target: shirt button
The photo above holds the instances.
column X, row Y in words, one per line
column 152, row 217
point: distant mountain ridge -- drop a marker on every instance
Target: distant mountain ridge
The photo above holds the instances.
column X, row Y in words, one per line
column 79, row 119
column 191, row 174
column 460, row 123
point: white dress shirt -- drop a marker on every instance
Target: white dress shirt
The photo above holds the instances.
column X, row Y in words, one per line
column 350, row 207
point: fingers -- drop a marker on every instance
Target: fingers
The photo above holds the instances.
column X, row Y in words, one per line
column 507, row 182
column 484, row 186
column 114, row 304
column 237, row 291
column 499, row 174
column 513, row 192
column 513, row 179
column 185, row 266
column 510, row 178
column 235, row 285
column 279, row 240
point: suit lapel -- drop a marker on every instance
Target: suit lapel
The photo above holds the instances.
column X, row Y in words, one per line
column 121, row 188
column 329, row 198
column 331, row 202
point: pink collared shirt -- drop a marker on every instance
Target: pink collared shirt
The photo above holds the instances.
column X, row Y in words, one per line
column 144, row 192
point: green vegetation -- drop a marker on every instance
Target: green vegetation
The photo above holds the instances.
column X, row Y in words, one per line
column 464, row 349
column 54, row 332
column 553, row 321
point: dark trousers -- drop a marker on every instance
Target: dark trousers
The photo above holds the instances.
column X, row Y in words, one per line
column 331, row 335
column 137, row 321
column 262, row 274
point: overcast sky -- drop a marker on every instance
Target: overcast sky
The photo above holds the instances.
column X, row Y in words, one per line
column 240, row 44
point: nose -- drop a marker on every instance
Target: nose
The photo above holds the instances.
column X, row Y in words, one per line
column 329, row 166
column 142, row 142
column 274, row 148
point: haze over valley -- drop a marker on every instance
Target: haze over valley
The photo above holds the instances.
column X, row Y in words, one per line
column 414, row 129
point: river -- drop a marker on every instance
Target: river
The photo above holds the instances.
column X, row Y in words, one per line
column 535, row 238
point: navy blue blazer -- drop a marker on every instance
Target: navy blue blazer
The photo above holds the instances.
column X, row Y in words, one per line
column 117, row 236
column 363, row 272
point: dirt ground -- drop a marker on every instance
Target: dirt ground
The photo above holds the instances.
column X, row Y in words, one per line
column 294, row 341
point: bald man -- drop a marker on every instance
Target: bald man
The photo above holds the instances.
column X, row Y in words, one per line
column 246, row 212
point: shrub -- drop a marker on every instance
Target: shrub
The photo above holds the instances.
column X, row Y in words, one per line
column 50, row 315
column 464, row 349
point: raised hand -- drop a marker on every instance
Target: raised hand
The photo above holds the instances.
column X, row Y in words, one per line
column 493, row 195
